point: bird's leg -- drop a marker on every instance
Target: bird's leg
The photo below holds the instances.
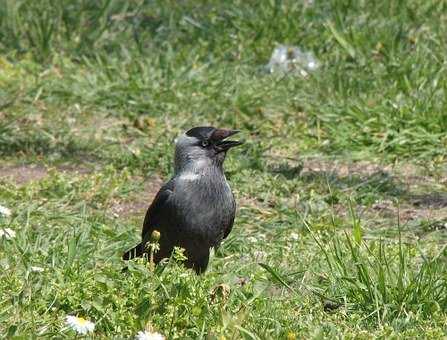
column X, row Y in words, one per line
column 201, row 264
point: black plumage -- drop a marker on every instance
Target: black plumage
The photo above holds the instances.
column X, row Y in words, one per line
column 195, row 210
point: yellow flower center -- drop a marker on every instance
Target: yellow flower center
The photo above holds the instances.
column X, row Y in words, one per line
column 82, row 321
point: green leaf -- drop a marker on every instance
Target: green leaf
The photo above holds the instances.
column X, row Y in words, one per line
column 356, row 226
column 275, row 275
column 72, row 245
column 341, row 40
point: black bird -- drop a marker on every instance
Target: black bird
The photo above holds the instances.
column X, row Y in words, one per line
column 194, row 210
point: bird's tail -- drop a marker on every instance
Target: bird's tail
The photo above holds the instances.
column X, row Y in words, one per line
column 136, row 251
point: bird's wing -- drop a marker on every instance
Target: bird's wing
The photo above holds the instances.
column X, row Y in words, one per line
column 160, row 211
column 230, row 224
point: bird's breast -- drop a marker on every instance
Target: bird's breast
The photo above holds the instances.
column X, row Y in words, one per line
column 206, row 206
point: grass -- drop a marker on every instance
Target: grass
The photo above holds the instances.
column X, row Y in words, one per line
column 341, row 185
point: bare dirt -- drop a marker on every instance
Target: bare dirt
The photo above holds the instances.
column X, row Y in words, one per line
column 422, row 192
column 425, row 194
column 138, row 203
column 23, row 174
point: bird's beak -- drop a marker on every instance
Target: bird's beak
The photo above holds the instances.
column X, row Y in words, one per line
column 219, row 136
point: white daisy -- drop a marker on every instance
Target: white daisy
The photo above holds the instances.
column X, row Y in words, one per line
column 259, row 255
column 5, row 211
column 294, row 236
column 252, row 239
column 7, row 233
column 146, row 335
column 37, row 269
column 80, row 325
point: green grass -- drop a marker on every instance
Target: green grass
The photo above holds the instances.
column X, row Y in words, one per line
column 317, row 251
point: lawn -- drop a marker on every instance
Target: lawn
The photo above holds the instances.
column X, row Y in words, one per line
column 341, row 229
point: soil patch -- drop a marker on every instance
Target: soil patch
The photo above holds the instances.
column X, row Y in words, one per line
column 22, row 174
column 138, row 203
column 422, row 194
column 412, row 210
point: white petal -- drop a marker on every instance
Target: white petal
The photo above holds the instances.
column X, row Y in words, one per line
column 259, row 254
column 146, row 335
column 80, row 325
column 90, row 326
column 7, row 233
column 37, row 269
column 294, row 236
column 141, row 336
column 5, row 211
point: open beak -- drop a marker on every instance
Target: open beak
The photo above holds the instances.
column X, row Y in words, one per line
column 219, row 137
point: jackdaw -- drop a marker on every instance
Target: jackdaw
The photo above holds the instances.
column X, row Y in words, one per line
column 195, row 209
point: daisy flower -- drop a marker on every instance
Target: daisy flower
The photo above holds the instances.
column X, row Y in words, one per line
column 294, row 236
column 146, row 335
column 259, row 254
column 37, row 269
column 7, row 233
column 5, row 211
column 80, row 325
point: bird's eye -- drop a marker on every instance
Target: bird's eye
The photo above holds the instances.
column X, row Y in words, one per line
column 205, row 143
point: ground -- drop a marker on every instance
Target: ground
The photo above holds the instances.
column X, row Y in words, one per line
column 341, row 184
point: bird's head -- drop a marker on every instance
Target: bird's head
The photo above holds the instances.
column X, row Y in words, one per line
column 203, row 146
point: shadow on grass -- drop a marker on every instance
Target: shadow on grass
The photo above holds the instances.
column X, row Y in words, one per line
column 430, row 200
column 378, row 182
column 40, row 144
